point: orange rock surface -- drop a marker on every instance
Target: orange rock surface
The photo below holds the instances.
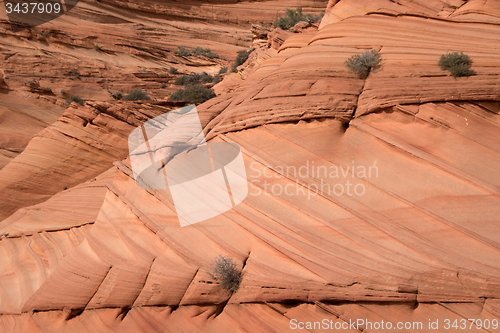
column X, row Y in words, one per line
column 87, row 250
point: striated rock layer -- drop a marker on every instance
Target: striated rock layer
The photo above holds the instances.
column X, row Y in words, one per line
column 412, row 237
column 308, row 78
column 372, row 199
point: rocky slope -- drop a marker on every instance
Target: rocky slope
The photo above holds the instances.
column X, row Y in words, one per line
column 417, row 238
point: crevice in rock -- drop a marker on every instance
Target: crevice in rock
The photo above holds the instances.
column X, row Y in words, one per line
column 144, row 284
column 123, row 313
column 48, row 231
column 189, row 285
column 74, row 313
column 98, row 287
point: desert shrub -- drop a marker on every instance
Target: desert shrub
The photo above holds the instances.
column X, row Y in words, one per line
column 173, row 70
column 97, row 47
column 197, row 51
column 223, row 70
column 116, row 95
column 193, row 94
column 361, row 64
column 194, row 78
column 291, row 18
column 458, row 64
column 75, row 73
column 182, row 51
column 76, row 99
column 136, row 95
column 177, row 96
column 180, row 80
column 200, row 51
column 224, row 270
column 163, row 85
column 313, row 19
column 240, row 59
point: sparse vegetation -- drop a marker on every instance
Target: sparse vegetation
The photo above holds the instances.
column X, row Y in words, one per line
column 116, row 95
column 194, row 78
column 362, row 64
column 75, row 73
column 97, row 47
column 197, row 51
column 223, row 70
column 292, row 17
column 182, row 51
column 313, row 19
column 75, row 98
column 163, row 85
column 196, row 94
column 224, row 270
column 200, row 51
column 63, row 93
column 240, row 59
column 136, row 95
column 458, row 64
column 173, row 70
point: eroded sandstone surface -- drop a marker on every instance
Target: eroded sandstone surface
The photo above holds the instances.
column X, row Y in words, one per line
column 87, row 250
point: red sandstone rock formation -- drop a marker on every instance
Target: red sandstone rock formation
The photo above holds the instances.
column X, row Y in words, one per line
column 421, row 243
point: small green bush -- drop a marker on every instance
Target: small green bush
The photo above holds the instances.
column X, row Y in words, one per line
column 291, row 18
column 361, row 64
column 194, row 78
column 76, row 99
column 240, row 59
column 200, row 51
column 136, row 95
column 117, row 95
column 313, row 19
column 173, row 70
column 182, row 51
column 224, row 270
column 193, row 94
column 458, row 64
column 223, row 70
column 163, row 85
column 75, row 73
column 197, row 51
